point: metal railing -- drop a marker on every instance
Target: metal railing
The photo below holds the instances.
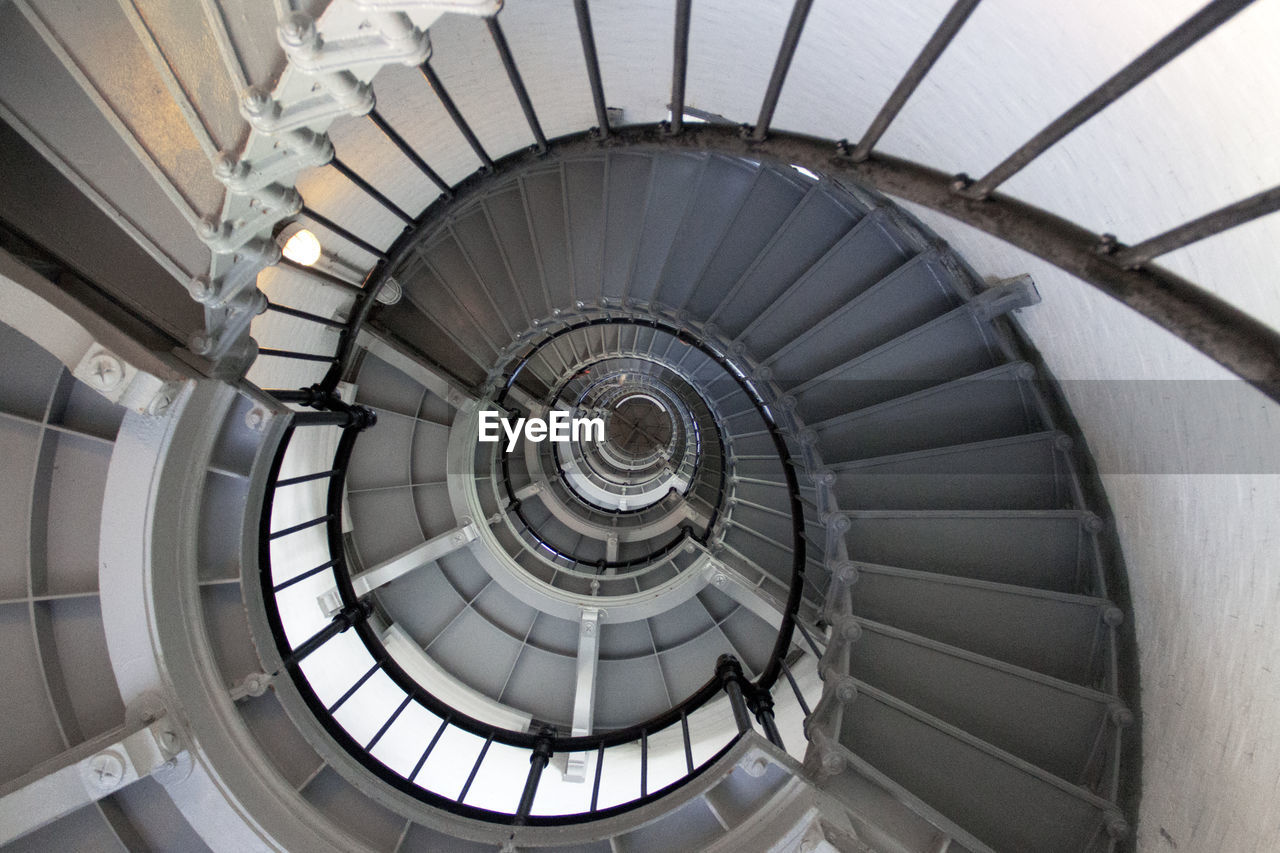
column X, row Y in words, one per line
column 1239, row 342
column 746, row 699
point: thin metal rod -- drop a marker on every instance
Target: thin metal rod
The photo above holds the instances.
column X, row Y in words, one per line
column 300, row 356
column 595, row 786
column 808, row 639
column 330, row 225
column 305, row 315
column 433, row 80
column 680, row 64
column 1152, row 60
column 417, row 768
column 937, row 43
column 517, row 82
column 297, row 527
column 475, row 768
column 308, row 573
column 688, row 745
column 320, row 275
column 370, row 190
column 790, row 39
column 306, row 478
column 407, row 150
column 583, row 14
column 1253, row 207
column 353, row 688
column 795, row 688
column 389, row 723
column 644, row 763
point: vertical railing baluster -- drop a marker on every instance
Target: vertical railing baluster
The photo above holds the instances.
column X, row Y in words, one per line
column 1149, row 62
column 446, row 101
column 933, row 49
column 583, row 13
column 595, row 786
column 680, row 64
column 644, row 763
column 517, row 82
column 417, row 768
column 688, row 745
column 795, row 688
column 791, row 38
column 475, row 768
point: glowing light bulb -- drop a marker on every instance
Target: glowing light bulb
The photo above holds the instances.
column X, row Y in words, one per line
column 302, row 248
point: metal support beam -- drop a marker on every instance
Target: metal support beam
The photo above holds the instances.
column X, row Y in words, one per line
column 745, row 593
column 1149, row 62
column 434, row 378
column 84, row 775
column 584, row 693
column 937, row 43
column 413, row 559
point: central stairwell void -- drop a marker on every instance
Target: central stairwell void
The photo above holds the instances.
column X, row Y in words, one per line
column 838, row 511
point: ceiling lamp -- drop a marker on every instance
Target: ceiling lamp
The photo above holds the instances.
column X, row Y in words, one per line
column 302, row 247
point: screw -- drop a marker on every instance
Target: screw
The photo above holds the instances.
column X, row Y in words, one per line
column 161, row 402
column 106, row 770
column 256, row 418
column 105, row 372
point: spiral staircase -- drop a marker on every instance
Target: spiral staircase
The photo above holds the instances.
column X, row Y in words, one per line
column 839, row 574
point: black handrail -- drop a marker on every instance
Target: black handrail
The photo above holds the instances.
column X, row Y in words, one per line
column 354, row 615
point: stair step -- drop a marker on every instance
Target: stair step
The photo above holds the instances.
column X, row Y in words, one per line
column 485, row 259
column 909, row 296
column 510, row 219
column 814, row 227
column 457, row 276
column 996, row 403
column 970, row 781
column 1022, row 472
column 868, row 252
column 626, row 203
column 1053, row 724
column 672, row 186
column 949, row 347
column 544, row 195
column 1058, row 634
column 717, row 201
column 1045, row 549
column 587, row 207
column 771, row 201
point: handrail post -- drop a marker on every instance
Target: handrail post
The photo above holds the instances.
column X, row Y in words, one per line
column 537, row 763
column 729, row 671
column 345, row 618
column 763, row 702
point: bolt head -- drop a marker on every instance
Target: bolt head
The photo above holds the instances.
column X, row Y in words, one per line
column 256, row 418
column 106, row 771
column 105, row 372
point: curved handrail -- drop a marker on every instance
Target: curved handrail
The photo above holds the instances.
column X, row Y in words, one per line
column 355, row 613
